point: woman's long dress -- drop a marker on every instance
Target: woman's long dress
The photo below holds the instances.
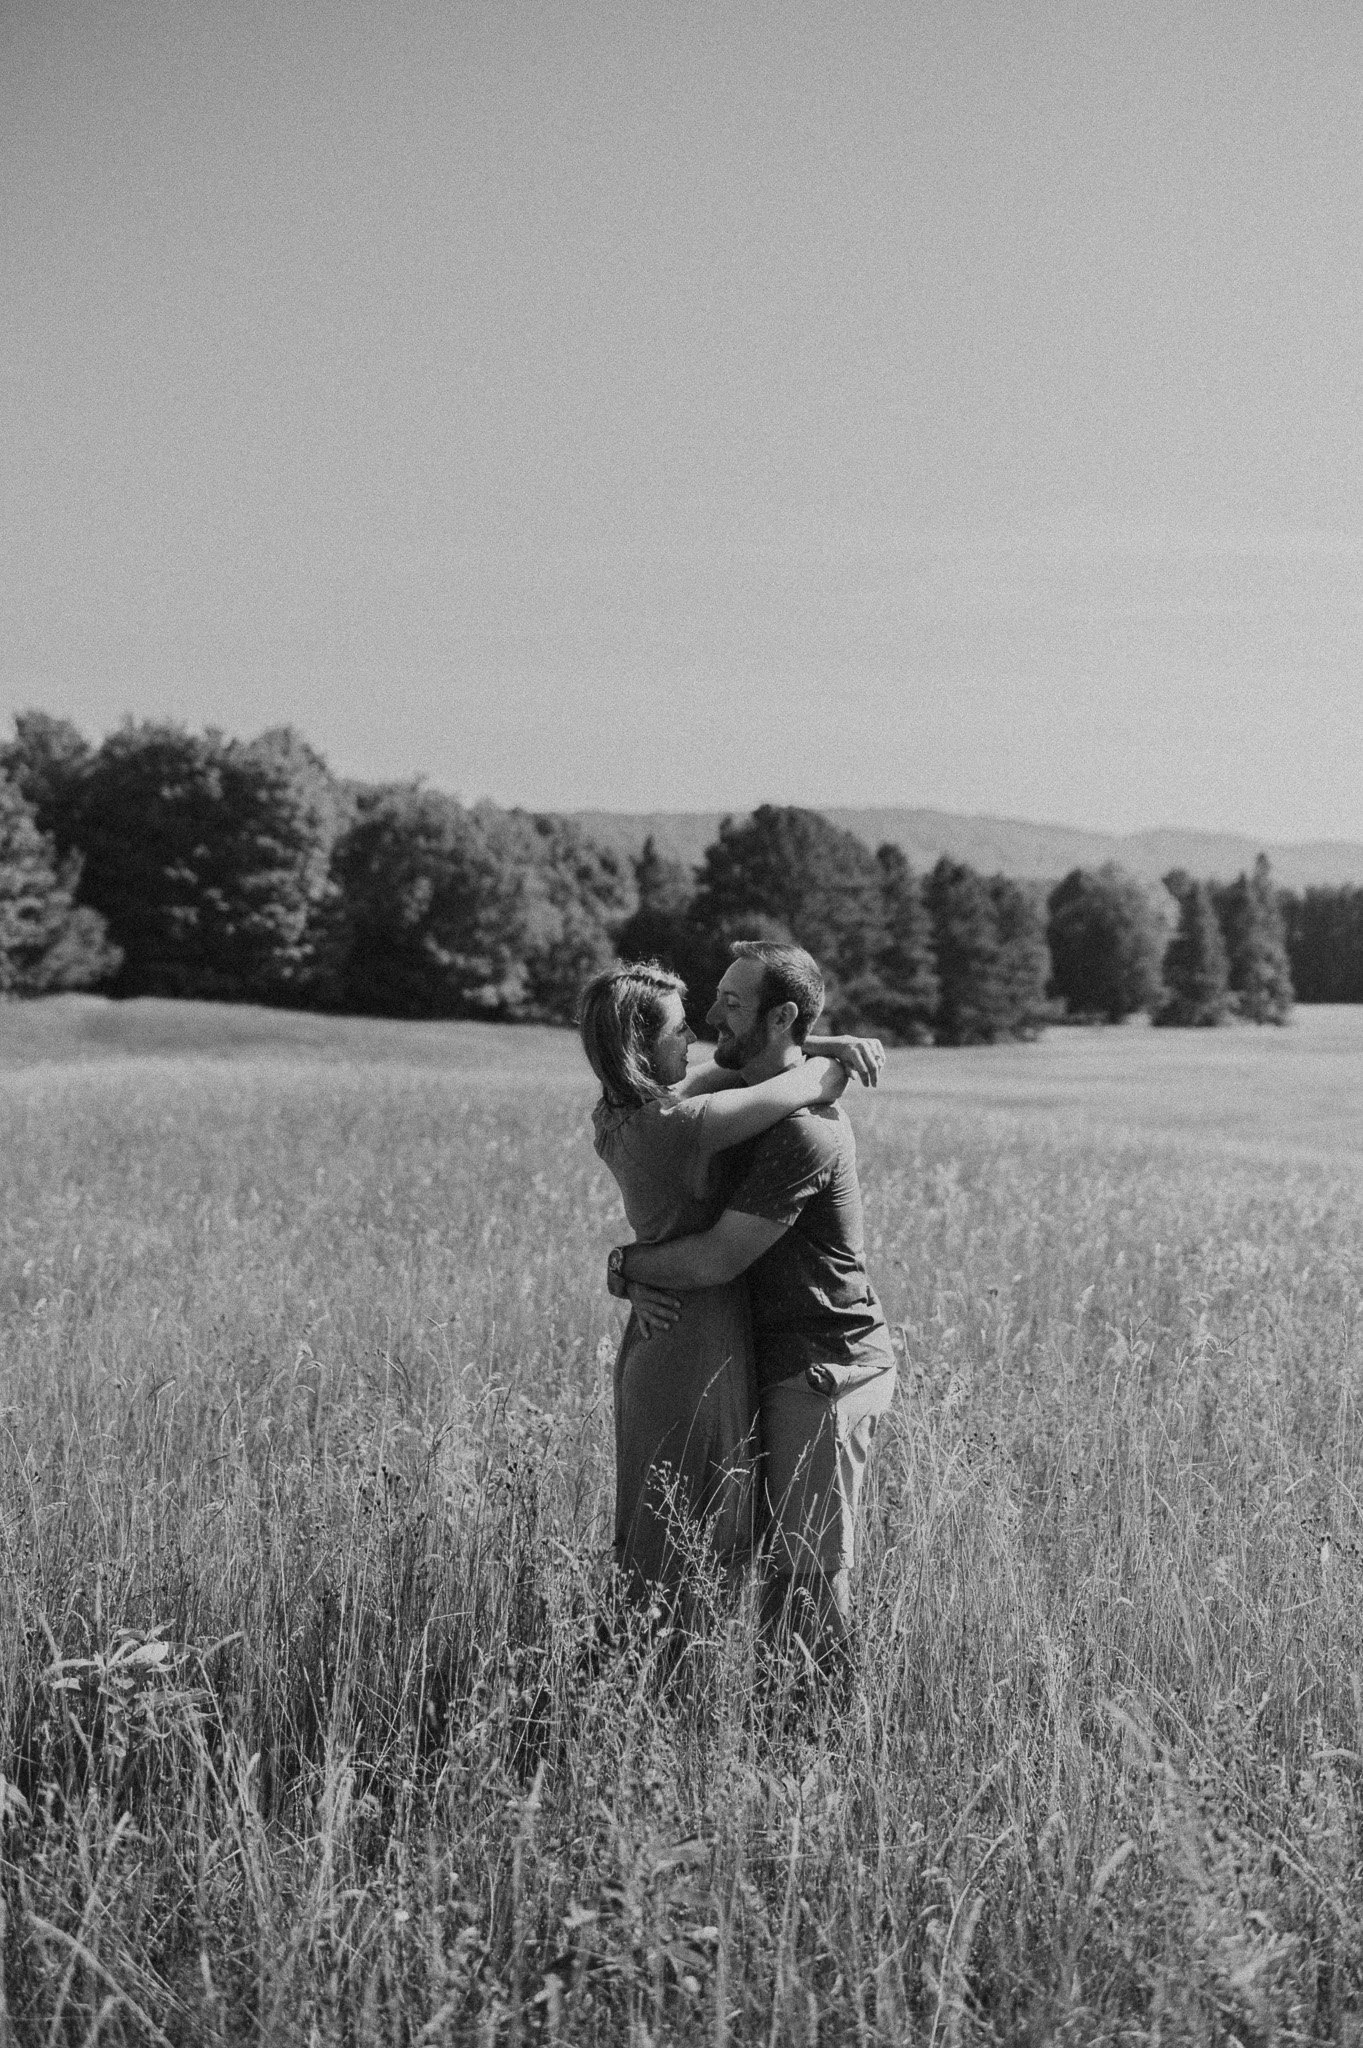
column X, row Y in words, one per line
column 685, row 1398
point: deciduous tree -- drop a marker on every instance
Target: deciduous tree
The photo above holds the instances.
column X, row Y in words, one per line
column 46, row 941
column 46, row 761
column 427, row 910
column 569, row 898
column 790, row 872
column 455, row 912
column 1106, row 942
column 210, row 859
column 818, row 882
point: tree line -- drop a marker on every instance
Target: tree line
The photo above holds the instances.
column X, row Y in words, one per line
column 174, row 863
column 959, row 958
column 168, row 862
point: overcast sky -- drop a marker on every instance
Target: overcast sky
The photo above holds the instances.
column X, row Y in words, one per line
column 681, row 406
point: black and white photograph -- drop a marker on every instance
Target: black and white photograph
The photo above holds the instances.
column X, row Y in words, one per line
column 681, row 1023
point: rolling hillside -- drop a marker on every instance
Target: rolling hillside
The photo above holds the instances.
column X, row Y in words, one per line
column 1012, row 846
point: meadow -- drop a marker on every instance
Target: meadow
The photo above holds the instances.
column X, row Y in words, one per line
column 313, row 1729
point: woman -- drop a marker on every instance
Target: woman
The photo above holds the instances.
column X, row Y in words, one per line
column 685, row 1392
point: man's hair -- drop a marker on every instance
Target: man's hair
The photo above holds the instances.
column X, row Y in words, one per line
column 789, row 975
column 620, row 1014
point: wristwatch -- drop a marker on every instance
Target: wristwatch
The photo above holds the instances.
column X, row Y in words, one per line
column 615, row 1272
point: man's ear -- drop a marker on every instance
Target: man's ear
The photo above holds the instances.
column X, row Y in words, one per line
column 782, row 1018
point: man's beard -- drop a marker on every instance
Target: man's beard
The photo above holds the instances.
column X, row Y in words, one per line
column 732, row 1053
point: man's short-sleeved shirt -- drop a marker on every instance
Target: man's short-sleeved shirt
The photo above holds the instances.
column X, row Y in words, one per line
column 812, row 1303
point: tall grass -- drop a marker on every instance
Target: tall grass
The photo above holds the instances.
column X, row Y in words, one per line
column 318, row 1723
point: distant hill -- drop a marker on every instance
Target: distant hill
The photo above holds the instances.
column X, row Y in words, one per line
column 1011, row 846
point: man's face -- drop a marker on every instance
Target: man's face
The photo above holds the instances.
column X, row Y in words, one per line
column 739, row 1024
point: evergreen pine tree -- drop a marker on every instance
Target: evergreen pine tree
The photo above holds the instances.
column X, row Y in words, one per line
column 660, row 927
column 1252, row 926
column 661, row 884
column 1024, row 963
column 1195, row 967
column 972, row 1006
column 899, row 996
column 1324, row 930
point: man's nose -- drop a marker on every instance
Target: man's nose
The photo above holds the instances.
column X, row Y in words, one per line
column 712, row 1014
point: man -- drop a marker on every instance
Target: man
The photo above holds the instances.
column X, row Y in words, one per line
column 793, row 1224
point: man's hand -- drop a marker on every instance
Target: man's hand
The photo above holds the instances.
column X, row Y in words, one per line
column 863, row 1057
column 655, row 1309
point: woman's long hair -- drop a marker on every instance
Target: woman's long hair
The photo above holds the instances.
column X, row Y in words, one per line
column 620, row 1015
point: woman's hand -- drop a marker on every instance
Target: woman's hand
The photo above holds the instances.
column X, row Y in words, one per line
column 863, row 1057
column 832, row 1079
column 656, row 1310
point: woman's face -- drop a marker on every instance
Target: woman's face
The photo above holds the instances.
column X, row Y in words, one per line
column 667, row 1055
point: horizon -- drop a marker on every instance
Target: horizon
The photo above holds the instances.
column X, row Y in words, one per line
column 634, row 408
column 704, row 810
column 963, row 817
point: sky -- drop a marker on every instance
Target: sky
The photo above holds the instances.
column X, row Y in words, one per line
column 684, row 406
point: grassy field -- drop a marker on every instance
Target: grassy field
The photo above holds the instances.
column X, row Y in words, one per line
column 304, row 1498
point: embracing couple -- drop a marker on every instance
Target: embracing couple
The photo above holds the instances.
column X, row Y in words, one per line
column 756, row 1361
